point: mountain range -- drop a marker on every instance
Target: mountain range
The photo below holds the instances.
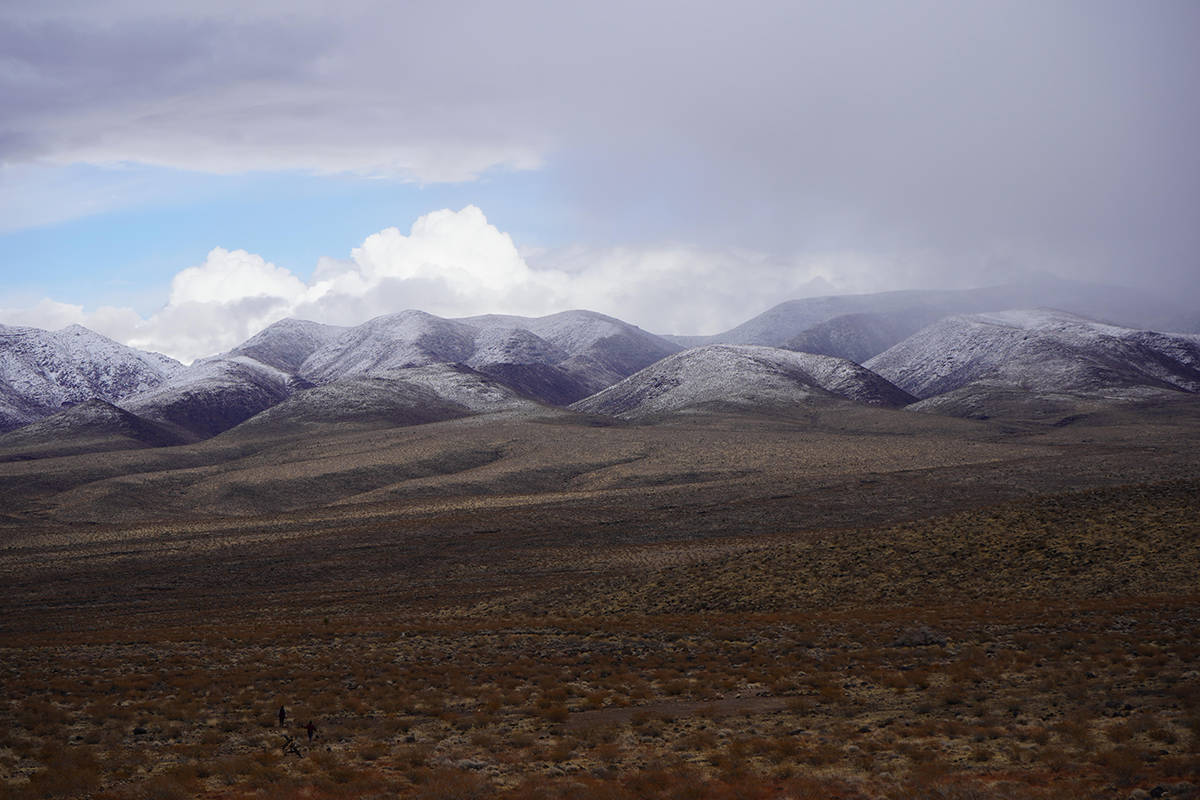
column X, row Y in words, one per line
column 858, row 326
column 1037, row 363
column 932, row 352
column 741, row 377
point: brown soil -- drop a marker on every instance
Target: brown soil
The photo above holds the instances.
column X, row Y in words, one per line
column 855, row 606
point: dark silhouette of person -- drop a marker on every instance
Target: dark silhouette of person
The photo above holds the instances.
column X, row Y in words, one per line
column 312, row 729
column 282, row 715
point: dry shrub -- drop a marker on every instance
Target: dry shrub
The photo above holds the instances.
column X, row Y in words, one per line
column 372, row 752
column 1124, row 763
column 69, row 772
column 169, row 787
column 608, row 752
column 554, row 713
column 561, row 750
column 1119, row 732
column 411, row 756
column 800, row 704
column 453, row 784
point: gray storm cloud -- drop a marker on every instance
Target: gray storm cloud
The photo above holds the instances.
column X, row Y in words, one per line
column 969, row 138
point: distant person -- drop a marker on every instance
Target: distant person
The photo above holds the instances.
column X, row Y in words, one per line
column 312, row 729
column 282, row 715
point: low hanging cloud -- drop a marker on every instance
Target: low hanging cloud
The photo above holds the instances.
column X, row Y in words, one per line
column 1065, row 129
column 454, row 264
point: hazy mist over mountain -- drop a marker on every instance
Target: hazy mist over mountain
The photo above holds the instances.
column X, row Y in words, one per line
column 180, row 177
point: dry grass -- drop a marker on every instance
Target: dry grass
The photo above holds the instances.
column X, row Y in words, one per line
column 709, row 642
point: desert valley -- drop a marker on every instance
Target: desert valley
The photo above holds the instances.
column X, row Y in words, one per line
column 907, row 545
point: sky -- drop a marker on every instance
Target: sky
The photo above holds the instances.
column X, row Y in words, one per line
column 180, row 175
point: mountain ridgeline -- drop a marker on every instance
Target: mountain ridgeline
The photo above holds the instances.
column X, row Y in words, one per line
column 742, row 377
column 964, row 354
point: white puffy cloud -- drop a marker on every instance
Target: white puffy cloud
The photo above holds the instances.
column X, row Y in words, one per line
column 450, row 263
column 455, row 263
column 119, row 323
column 229, row 276
column 47, row 313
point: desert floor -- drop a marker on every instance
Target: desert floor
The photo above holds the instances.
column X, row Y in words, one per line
column 848, row 604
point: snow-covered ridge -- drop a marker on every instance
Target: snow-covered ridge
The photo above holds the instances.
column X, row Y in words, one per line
column 984, row 364
column 1039, row 350
column 505, row 345
column 390, row 342
column 213, row 395
column 574, row 331
column 288, row 343
column 44, row 371
column 555, row 359
column 216, row 368
column 1129, row 307
column 465, row 387
column 748, row 376
column 572, row 353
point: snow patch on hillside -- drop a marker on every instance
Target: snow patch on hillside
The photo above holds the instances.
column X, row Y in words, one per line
column 466, row 387
column 1040, row 351
column 44, row 371
column 740, row 375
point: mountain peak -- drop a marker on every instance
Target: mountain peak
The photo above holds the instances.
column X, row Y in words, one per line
column 46, row 371
column 1042, row 357
column 75, row 329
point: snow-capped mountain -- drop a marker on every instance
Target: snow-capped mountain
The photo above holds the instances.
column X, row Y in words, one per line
column 501, row 362
column 857, row 337
column 213, row 395
column 982, row 364
column 741, row 376
column 556, row 359
column 286, row 344
column 526, row 362
column 42, row 372
column 912, row 309
column 962, row 360
column 388, row 343
column 599, row 350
